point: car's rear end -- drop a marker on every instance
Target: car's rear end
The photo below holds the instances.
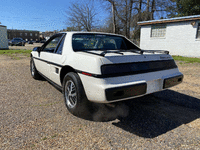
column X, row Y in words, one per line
column 116, row 69
column 131, row 75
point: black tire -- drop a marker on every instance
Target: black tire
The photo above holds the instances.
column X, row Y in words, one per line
column 34, row 72
column 75, row 98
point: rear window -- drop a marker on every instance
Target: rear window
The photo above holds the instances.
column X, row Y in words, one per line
column 81, row 42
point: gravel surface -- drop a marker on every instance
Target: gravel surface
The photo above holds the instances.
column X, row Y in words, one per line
column 33, row 115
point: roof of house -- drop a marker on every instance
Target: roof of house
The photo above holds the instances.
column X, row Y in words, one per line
column 22, row 30
column 170, row 20
column 2, row 26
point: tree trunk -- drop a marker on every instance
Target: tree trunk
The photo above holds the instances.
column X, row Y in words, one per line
column 139, row 10
column 147, row 11
column 130, row 16
column 152, row 9
column 126, row 20
column 113, row 14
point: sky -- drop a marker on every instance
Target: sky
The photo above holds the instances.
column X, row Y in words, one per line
column 40, row 15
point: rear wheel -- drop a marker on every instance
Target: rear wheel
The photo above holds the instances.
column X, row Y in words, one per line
column 74, row 95
column 34, row 72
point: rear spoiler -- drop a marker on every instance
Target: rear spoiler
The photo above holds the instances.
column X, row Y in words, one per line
column 132, row 50
column 149, row 51
column 154, row 51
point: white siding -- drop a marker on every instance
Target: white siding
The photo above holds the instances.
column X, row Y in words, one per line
column 3, row 38
column 180, row 39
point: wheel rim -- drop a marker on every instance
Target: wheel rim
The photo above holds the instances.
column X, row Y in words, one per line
column 70, row 94
column 32, row 69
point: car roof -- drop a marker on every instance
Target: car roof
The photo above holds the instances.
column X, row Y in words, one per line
column 75, row 32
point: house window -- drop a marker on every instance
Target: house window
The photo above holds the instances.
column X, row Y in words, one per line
column 35, row 34
column 20, row 34
column 198, row 31
column 31, row 34
column 25, row 34
column 158, row 30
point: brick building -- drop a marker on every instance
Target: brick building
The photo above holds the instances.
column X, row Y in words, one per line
column 24, row 34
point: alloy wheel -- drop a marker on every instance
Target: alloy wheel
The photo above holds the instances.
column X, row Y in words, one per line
column 70, row 94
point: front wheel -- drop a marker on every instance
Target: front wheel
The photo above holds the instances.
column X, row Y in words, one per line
column 74, row 95
column 34, row 72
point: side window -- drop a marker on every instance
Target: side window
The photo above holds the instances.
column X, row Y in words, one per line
column 60, row 47
column 51, row 46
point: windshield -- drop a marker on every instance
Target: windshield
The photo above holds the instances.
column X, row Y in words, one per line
column 81, row 42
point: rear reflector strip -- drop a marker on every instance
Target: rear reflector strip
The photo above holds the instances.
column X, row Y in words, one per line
column 87, row 74
column 172, row 81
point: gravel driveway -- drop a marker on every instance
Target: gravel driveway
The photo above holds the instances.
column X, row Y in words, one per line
column 33, row 115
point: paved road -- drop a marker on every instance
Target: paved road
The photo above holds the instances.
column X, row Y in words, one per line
column 33, row 116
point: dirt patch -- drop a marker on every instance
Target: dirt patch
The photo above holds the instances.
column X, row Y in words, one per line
column 33, row 115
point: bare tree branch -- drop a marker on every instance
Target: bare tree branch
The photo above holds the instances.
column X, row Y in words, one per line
column 82, row 16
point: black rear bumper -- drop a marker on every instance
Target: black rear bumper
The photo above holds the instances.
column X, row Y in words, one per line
column 125, row 91
column 138, row 89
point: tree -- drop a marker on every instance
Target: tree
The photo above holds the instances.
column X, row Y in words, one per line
column 81, row 16
column 126, row 13
column 122, row 9
column 183, row 8
column 188, row 7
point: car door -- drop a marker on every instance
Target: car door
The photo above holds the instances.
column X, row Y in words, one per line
column 57, row 61
column 44, row 59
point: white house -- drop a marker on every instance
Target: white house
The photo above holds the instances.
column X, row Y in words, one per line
column 180, row 36
column 3, row 37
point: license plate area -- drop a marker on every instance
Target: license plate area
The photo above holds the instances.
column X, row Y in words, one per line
column 154, row 85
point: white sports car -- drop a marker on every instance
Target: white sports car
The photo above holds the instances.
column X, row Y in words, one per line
column 102, row 68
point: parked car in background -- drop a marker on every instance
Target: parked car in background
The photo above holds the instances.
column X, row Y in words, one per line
column 42, row 41
column 9, row 42
column 30, row 42
column 102, row 68
column 17, row 42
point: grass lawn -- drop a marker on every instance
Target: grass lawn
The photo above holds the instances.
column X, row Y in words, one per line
column 186, row 59
column 14, row 53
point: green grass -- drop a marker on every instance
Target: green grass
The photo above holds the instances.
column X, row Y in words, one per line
column 44, row 138
column 15, row 52
column 54, row 136
column 187, row 59
column 12, row 53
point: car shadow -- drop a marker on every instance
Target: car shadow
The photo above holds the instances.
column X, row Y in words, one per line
column 148, row 116
column 158, row 113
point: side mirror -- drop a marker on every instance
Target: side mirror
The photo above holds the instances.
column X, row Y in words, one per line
column 37, row 49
